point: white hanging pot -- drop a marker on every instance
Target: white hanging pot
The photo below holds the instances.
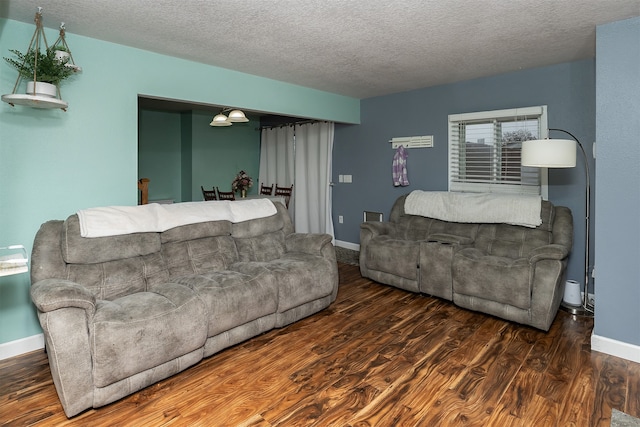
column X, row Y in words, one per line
column 62, row 56
column 42, row 89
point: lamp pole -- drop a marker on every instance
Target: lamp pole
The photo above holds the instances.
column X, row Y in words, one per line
column 586, row 309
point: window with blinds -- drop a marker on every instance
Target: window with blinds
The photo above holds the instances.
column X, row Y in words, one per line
column 484, row 150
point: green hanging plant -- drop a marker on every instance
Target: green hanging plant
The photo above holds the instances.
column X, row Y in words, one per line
column 47, row 68
column 60, row 47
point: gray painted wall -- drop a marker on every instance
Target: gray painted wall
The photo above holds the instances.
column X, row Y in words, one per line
column 364, row 151
column 618, row 184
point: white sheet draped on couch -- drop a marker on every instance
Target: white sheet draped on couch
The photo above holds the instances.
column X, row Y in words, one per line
column 154, row 217
column 492, row 208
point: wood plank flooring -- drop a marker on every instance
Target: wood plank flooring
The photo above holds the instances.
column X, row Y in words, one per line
column 378, row 356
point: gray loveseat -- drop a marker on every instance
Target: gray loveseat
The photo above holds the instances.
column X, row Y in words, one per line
column 122, row 312
column 510, row 271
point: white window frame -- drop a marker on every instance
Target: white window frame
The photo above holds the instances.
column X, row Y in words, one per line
column 539, row 112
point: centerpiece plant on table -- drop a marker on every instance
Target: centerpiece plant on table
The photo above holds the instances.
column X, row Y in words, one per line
column 242, row 182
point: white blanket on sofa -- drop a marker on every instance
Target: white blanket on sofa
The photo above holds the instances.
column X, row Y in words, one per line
column 154, row 217
column 475, row 207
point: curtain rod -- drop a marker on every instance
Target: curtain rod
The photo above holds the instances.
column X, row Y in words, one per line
column 281, row 125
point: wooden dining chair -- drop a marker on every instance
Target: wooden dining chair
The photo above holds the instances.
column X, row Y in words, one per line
column 284, row 192
column 266, row 190
column 143, row 186
column 209, row 194
column 225, row 195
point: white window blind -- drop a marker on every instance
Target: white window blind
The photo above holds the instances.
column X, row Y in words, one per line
column 484, row 150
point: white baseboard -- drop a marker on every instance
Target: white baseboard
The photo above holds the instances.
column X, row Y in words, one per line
column 615, row 348
column 21, row 346
column 348, row 245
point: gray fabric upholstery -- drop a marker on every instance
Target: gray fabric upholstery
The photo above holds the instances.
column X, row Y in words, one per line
column 78, row 250
column 197, row 256
column 505, row 270
column 122, row 312
column 234, row 298
column 145, row 329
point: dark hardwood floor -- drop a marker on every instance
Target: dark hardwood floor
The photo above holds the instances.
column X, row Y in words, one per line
column 378, row 356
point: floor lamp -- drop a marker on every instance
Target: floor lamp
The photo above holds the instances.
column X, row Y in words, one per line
column 561, row 153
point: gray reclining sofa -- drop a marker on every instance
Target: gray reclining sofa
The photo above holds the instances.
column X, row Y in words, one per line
column 509, row 271
column 122, row 312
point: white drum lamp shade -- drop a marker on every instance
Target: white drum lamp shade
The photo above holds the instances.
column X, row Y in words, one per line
column 549, row 153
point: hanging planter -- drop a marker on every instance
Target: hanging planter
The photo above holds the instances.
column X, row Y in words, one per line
column 40, row 66
column 44, row 68
column 62, row 51
column 61, row 54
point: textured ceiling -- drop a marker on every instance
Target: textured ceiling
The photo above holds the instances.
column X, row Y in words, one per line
column 356, row 48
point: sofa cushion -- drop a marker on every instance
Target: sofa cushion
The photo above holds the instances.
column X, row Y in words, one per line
column 233, row 298
column 199, row 256
column 413, row 227
column 144, row 330
column 300, row 278
column 258, row 227
column 260, row 239
column 196, row 231
column 510, row 241
column 82, row 250
column 395, row 256
column 495, row 278
column 410, row 227
column 114, row 279
column 261, row 248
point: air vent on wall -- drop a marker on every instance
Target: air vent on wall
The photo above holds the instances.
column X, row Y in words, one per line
column 412, row 141
column 372, row 216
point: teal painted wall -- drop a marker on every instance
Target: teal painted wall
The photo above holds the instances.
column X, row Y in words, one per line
column 186, row 132
column 160, row 153
column 219, row 153
column 53, row 163
column 213, row 155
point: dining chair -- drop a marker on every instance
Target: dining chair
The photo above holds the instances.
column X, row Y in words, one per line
column 209, row 194
column 284, row 192
column 143, row 186
column 266, row 190
column 225, row 195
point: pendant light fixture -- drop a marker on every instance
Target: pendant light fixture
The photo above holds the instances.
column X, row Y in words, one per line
column 234, row 116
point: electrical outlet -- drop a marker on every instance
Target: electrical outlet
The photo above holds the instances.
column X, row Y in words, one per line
column 340, row 219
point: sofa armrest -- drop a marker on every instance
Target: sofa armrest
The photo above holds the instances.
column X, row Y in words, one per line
column 378, row 228
column 563, row 227
column 308, row 243
column 54, row 294
column 449, row 239
column 553, row 251
column 64, row 310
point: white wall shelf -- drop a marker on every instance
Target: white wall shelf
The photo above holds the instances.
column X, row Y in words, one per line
column 13, row 260
column 412, row 141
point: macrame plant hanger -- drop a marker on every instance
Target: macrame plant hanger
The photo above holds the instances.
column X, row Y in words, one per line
column 62, row 42
column 31, row 98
